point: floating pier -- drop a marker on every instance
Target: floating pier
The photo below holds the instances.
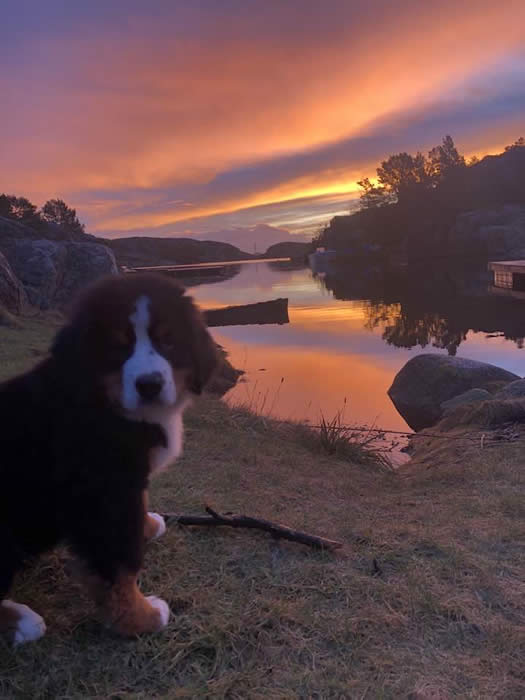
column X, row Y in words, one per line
column 509, row 278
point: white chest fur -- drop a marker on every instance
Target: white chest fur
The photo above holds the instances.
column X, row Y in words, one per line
column 161, row 457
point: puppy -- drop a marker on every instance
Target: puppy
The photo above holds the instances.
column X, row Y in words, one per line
column 82, row 433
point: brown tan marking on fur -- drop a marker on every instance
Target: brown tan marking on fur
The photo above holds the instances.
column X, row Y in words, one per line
column 123, row 607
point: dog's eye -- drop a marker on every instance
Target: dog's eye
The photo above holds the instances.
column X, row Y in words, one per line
column 164, row 338
column 119, row 339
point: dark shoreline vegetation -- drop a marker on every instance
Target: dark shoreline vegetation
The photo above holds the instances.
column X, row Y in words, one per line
column 411, row 214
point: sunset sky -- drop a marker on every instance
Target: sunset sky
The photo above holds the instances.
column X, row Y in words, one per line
column 169, row 117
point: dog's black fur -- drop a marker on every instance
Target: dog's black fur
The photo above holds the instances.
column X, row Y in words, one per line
column 73, row 468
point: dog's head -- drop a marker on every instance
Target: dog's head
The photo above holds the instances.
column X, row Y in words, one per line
column 139, row 342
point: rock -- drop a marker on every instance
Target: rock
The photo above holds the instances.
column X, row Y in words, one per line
column 85, row 262
column 499, row 233
column 470, row 396
column 53, row 271
column 426, row 381
column 226, row 376
column 514, row 390
column 12, row 294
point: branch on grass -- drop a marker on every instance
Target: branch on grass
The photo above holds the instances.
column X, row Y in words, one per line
column 276, row 530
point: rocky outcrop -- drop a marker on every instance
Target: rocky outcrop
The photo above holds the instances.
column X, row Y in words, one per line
column 467, row 397
column 53, row 271
column 427, row 381
column 12, row 294
column 498, row 234
column 226, row 376
column 514, row 390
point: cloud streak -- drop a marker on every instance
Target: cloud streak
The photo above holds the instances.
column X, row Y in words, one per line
column 157, row 122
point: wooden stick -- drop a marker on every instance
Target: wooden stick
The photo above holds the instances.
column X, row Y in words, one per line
column 276, row 530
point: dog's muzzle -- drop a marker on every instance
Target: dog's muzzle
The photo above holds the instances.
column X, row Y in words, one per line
column 149, row 386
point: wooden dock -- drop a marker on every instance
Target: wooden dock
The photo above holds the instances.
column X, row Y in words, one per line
column 195, row 267
column 509, row 278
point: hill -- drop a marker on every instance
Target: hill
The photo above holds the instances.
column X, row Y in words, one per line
column 433, row 222
column 144, row 251
column 252, row 239
column 289, row 249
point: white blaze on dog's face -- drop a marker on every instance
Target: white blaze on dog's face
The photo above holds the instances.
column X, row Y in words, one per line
column 147, row 376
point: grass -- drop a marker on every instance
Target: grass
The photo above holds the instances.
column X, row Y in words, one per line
column 427, row 599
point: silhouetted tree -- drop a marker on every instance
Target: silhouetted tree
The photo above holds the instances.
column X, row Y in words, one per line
column 18, row 208
column 519, row 143
column 374, row 196
column 443, row 161
column 56, row 211
column 403, row 175
column 473, row 160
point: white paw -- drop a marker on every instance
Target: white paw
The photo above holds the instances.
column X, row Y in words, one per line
column 161, row 525
column 29, row 625
column 161, row 606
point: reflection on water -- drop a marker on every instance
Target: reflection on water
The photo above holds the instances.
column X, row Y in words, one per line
column 353, row 329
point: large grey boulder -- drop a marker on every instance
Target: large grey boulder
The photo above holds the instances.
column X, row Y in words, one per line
column 12, row 294
column 514, row 390
column 467, row 397
column 53, row 271
column 85, row 262
column 426, row 381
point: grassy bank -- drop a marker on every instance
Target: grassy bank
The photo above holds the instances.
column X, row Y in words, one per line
column 427, row 600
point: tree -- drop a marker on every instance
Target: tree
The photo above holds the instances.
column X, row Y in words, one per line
column 374, row 196
column 18, row 208
column 403, row 175
column 473, row 160
column 56, row 211
column 519, row 143
column 444, row 160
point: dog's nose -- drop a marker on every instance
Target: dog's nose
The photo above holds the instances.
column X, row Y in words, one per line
column 149, row 385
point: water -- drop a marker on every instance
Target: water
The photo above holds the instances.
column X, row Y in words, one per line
column 352, row 329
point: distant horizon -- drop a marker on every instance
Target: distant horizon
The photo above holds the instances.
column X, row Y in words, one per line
column 185, row 117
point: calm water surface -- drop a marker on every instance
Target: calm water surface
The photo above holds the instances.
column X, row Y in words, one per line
column 351, row 331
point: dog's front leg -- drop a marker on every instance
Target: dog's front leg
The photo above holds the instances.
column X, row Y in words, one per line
column 109, row 540
column 123, row 607
column 154, row 525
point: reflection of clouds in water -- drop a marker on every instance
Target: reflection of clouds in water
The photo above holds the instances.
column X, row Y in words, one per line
column 315, row 379
column 335, row 348
column 254, row 279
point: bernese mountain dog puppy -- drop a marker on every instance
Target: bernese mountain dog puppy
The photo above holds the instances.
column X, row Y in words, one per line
column 82, row 433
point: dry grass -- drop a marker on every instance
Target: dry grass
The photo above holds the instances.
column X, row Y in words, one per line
column 440, row 614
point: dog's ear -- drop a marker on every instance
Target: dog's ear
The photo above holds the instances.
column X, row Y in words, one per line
column 205, row 359
column 68, row 343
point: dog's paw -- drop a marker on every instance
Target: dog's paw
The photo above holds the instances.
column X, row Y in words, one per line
column 28, row 626
column 161, row 606
column 161, row 525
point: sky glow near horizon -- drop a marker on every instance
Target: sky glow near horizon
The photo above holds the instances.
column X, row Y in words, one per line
column 173, row 118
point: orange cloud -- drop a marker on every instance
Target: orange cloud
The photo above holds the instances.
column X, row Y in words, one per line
column 141, row 111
